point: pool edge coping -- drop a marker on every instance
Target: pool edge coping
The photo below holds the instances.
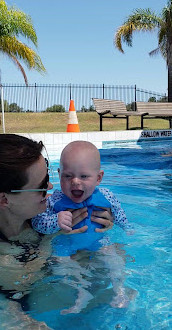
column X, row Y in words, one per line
column 55, row 142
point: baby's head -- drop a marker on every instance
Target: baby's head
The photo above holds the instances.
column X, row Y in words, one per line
column 79, row 170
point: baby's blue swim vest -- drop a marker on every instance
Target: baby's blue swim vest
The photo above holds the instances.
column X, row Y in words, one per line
column 65, row 245
column 93, row 203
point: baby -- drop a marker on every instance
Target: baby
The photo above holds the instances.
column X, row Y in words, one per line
column 80, row 174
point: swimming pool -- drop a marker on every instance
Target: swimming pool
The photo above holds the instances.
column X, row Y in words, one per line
column 140, row 175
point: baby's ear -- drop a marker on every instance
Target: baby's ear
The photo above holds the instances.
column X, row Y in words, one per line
column 100, row 177
column 3, row 200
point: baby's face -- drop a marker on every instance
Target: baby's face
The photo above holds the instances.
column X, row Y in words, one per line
column 79, row 176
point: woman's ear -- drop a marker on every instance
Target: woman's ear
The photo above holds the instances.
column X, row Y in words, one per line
column 3, row 200
column 100, row 177
column 58, row 171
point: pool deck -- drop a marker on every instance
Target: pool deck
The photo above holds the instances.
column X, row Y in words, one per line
column 55, row 142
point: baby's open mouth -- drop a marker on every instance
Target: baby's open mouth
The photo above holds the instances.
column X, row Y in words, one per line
column 77, row 193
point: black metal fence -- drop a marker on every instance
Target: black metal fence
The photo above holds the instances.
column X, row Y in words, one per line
column 38, row 97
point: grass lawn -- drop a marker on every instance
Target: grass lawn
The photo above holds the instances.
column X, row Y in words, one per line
column 57, row 122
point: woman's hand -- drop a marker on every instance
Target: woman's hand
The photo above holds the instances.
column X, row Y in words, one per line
column 104, row 218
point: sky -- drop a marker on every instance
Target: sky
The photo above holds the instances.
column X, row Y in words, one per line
column 75, row 43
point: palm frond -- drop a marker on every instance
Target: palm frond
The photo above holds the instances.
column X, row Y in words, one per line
column 12, row 47
column 15, row 22
column 140, row 20
column 154, row 51
column 166, row 13
column 123, row 33
column 144, row 19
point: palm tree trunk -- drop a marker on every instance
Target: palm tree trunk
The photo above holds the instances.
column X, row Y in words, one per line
column 169, row 65
column 170, row 83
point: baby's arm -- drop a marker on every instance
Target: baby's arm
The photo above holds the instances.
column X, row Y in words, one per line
column 50, row 222
column 118, row 213
column 47, row 222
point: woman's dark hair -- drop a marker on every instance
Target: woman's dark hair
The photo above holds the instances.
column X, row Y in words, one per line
column 17, row 153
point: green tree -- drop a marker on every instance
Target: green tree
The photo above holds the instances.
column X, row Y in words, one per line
column 84, row 109
column 147, row 20
column 152, row 99
column 13, row 107
column 15, row 23
column 91, row 108
column 130, row 106
column 56, row 108
column 162, row 99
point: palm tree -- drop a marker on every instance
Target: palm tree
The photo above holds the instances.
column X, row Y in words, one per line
column 13, row 23
column 147, row 20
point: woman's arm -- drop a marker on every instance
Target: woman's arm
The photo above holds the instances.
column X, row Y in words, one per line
column 12, row 316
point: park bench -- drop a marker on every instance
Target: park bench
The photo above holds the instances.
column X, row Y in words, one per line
column 154, row 110
column 114, row 109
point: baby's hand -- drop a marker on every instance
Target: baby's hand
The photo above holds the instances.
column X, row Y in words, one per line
column 65, row 220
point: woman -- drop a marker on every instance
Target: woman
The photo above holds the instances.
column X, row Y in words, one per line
column 24, row 181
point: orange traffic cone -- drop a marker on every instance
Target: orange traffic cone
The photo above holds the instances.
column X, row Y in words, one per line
column 73, row 120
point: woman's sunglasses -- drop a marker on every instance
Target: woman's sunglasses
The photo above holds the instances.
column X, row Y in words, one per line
column 43, row 187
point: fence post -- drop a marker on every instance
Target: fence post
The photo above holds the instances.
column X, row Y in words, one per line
column 36, row 103
column 135, row 97
column 103, row 91
column 70, row 91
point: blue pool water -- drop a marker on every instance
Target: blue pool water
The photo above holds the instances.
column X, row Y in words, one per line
column 140, row 175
